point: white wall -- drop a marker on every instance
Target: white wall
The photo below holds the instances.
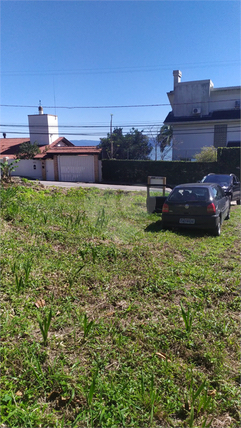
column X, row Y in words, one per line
column 224, row 98
column 191, row 136
column 234, row 131
column 43, row 128
column 190, row 95
column 189, row 139
column 28, row 168
column 186, row 96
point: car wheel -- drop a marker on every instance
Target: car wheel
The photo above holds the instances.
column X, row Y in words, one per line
column 238, row 201
column 164, row 226
column 217, row 229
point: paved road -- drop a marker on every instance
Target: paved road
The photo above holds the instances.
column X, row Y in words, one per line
column 98, row 185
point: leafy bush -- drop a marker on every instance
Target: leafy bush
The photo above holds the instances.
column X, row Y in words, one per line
column 28, row 150
column 7, row 168
column 207, row 154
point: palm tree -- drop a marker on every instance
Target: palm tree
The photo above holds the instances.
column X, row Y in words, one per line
column 164, row 139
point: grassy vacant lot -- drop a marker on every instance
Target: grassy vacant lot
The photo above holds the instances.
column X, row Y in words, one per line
column 110, row 321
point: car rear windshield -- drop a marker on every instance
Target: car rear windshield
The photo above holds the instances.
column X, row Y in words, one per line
column 184, row 194
column 220, row 179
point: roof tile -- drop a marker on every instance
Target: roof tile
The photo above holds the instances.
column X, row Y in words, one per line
column 10, row 147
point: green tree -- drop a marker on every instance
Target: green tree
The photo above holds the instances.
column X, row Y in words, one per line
column 28, row 150
column 207, row 154
column 117, row 139
column 7, row 169
column 139, row 146
column 133, row 145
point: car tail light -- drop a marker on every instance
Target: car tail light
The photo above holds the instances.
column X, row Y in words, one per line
column 211, row 209
column 165, row 208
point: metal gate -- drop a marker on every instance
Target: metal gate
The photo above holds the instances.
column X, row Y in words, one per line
column 76, row 168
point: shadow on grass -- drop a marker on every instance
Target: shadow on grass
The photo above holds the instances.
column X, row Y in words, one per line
column 155, row 227
column 194, row 233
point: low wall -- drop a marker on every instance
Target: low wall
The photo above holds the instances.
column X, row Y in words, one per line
column 28, row 168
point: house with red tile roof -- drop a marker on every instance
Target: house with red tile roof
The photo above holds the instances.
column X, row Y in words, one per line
column 58, row 160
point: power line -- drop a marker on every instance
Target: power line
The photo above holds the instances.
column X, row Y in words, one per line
column 145, row 128
column 200, row 132
column 125, row 106
column 134, row 69
column 141, row 125
column 86, row 107
column 80, row 126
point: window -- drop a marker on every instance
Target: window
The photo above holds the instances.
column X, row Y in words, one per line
column 220, row 136
column 189, row 194
column 217, row 192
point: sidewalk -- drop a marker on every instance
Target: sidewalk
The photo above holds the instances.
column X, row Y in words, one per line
column 126, row 188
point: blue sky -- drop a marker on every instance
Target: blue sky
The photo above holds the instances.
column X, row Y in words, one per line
column 110, row 53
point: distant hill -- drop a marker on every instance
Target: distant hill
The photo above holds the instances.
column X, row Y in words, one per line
column 85, row 142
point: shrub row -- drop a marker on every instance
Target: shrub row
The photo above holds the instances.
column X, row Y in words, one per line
column 176, row 172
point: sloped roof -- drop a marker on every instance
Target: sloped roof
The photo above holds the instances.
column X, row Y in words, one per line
column 46, row 151
column 10, row 147
column 62, row 140
column 215, row 115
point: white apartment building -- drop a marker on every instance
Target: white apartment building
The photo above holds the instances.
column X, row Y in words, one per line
column 202, row 116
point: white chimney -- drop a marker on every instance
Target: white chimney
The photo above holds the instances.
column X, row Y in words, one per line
column 40, row 110
column 177, row 77
column 43, row 128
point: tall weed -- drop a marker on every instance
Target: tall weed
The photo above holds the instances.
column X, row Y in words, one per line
column 44, row 325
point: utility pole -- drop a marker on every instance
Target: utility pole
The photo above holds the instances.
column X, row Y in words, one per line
column 111, row 142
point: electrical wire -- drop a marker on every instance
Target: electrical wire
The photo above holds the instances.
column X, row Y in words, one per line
column 94, row 134
column 134, row 69
column 124, row 106
column 38, row 128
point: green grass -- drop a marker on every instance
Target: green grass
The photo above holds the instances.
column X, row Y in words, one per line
column 138, row 327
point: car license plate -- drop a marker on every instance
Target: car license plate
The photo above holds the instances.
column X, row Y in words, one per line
column 187, row 220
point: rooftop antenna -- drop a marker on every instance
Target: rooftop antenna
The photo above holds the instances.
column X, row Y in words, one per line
column 40, row 109
column 54, row 96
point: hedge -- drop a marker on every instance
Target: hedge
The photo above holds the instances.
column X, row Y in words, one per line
column 176, row 172
column 229, row 160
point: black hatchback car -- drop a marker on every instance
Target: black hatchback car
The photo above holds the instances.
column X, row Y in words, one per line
column 229, row 183
column 196, row 205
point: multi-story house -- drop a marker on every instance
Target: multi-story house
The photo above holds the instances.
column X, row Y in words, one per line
column 202, row 116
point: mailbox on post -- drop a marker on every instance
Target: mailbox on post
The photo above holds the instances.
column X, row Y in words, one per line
column 156, row 189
